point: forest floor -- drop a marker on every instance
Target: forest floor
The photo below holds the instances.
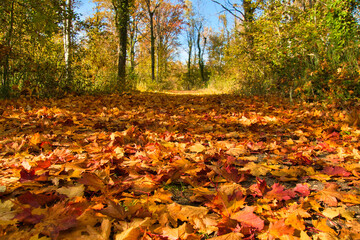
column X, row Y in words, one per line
column 161, row 166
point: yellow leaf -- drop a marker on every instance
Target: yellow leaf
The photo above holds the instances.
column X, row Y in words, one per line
column 35, row 139
column 197, row 148
column 256, row 169
column 6, row 214
column 236, row 151
column 177, row 233
column 322, row 226
column 331, row 212
column 71, row 192
column 129, row 234
column 229, row 236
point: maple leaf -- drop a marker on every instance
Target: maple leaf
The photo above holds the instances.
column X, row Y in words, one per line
column 229, row 236
column 302, row 189
column 71, row 192
column 260, row 188
column 228, row 172
column 279, row 228
column 60, row 217
column 336, row 171
column 277, row 192
column 131, row 230
column 329, row 195
column 92, row 181
column 186, row 213
column 26, row 216
column 248, row 218
column 321, row 225
column 197, row 148
column 256, row 170
column 26, row 176
column 114, row 210
column 180, row 232
column 37, row 200
column 6, row 214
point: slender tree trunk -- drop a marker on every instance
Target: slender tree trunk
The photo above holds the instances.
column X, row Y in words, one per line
column 122, row 19
column 152, row 39
column 152, row 36
column 67, row 40
column 5, row 84
column 133, row 37
column 201, row 56
column 190, row 45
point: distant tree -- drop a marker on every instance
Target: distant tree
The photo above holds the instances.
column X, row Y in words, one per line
column 169, row 21
column 201, row 41
column 190, row 41
column 151, row 6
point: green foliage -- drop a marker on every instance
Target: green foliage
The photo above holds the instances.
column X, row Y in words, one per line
column 308, row 51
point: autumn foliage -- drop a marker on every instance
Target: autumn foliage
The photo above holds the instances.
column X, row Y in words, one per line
column 156, row 166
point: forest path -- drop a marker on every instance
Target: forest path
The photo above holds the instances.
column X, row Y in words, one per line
column 184, row 166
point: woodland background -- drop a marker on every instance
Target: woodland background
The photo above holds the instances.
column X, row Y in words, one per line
column 296, row 48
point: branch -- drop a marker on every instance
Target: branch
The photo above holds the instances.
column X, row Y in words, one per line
column 228, row 10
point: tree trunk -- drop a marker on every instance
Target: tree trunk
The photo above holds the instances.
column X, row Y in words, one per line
column 201, row 56
column 152, row 47
column 122, row 19
column 67, row 40
column 190, row 45
column 133, row 38
column 152, row 36
column 5, row 84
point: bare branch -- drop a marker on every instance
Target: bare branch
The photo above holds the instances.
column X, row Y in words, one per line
column 229, row 10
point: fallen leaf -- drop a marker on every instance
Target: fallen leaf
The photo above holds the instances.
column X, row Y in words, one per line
column 197, row 148
column 71, row 192
column 229, row 236
column 248, row 218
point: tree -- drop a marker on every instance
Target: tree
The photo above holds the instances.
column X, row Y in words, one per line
column 151, row 8
column 29, row 32
column 169, row 22
column 67, row 32
column 190, row 40
column 6, row 51
column 136, row 16
column 245, row 14
column 201, row 46
column 122, row 11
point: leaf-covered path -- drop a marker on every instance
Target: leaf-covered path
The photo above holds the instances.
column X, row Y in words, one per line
column 156, row 166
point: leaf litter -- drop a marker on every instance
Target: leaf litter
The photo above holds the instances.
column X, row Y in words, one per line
column 157, row 166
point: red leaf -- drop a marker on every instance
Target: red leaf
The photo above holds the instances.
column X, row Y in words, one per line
column 278, row 192
column 260, row 188
column 27, row 175
column 302, row 189
column 27, row 217
column 43, row 164
column 37, row 200
column 336, row 171
column 248, row 218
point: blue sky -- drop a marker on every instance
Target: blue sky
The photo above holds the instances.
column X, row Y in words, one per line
column 206, row 8
column 209, row 10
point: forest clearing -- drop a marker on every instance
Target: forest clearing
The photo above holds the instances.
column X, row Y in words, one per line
column 160, row 166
